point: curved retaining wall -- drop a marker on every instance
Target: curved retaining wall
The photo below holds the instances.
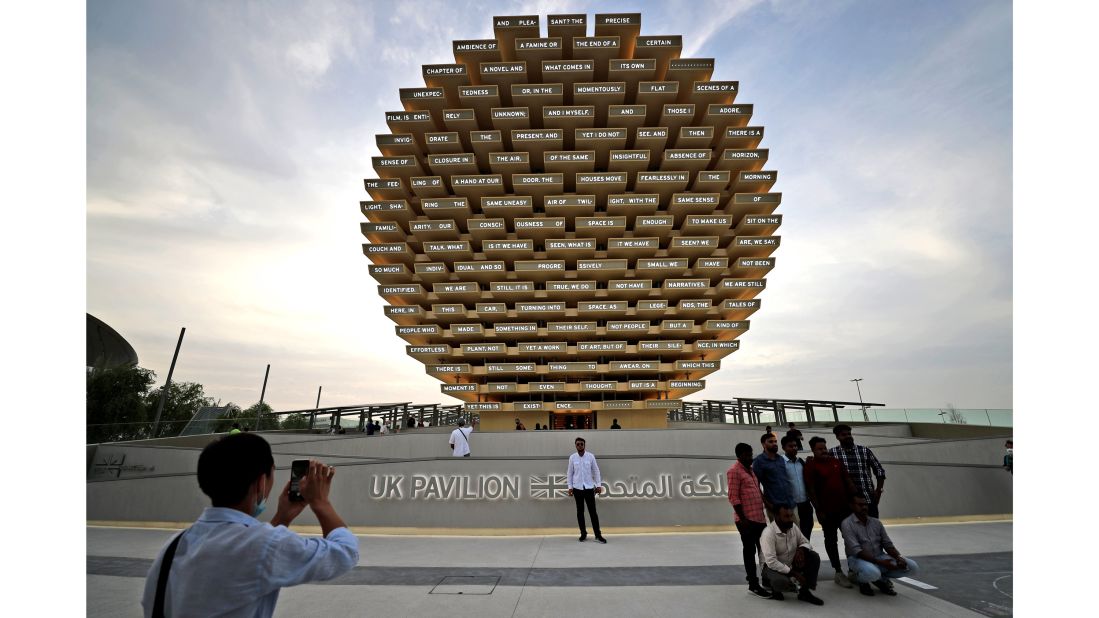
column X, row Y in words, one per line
column 652, row 478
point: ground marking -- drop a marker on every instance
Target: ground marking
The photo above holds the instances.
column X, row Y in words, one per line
column 996, row 585
column 916, row 583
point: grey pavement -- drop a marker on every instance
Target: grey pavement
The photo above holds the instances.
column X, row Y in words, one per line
column 965, row 571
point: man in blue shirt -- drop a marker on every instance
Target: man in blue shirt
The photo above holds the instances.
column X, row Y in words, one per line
column 795, row 473
column 770, row 468
column 228, row 563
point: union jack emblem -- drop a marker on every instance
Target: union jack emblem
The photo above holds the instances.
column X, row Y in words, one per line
column 549, row 487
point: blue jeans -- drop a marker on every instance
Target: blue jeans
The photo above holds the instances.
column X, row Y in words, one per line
column 866, row 572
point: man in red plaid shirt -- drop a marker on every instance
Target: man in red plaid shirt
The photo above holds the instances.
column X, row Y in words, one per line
column 747, row 503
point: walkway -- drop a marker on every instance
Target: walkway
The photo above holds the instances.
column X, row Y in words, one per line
column 966, row 571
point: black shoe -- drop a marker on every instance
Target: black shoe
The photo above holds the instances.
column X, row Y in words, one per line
column 601, row 540
column 805, row 595
column 865, row 589
column 886, row 587
column 759, row 591
column 777, row 596
column 583, row 537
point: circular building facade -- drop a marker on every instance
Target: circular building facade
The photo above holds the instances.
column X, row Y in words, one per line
column 571, row 228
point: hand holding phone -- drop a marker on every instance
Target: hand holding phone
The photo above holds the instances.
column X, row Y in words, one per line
column 298, row 469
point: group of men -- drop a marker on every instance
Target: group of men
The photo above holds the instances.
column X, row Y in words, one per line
column 775, row 496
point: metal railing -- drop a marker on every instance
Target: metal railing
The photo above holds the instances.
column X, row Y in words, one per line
column 983, row 417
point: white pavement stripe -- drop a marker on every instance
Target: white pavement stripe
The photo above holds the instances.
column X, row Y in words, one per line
column 916, row 583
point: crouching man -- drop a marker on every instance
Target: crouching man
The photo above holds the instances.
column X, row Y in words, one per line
column 789, row 561
column 230, row 563
column 871, row 555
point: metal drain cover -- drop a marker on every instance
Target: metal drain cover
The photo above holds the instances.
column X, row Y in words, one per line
column 463, row 584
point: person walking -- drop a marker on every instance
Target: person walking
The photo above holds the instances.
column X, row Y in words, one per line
column 862, row 465
column 795, row 433
column 748, row 515
column 829, row 488
column 584, row 481
column 459, row 439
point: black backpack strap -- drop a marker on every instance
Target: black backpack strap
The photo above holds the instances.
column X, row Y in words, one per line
column 162, row 580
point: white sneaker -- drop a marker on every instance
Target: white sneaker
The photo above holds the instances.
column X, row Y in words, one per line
column 842, row 580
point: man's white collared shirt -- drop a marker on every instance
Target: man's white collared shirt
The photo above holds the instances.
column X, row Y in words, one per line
column 583, row 471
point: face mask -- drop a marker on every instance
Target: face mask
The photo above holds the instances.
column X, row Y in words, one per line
column 260, row 506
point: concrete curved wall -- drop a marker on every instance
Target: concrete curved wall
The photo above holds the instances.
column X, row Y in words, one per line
column 654, row 478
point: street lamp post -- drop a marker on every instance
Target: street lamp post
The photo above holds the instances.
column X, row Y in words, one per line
column 865, row 418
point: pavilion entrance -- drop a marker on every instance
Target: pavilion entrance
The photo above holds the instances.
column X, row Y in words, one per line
column 573, row 419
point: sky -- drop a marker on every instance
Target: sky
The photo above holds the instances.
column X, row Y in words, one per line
column 227, row 143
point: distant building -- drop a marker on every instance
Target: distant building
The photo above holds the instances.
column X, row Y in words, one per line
column 104, row 347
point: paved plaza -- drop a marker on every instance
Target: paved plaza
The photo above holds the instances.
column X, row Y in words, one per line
column 966, row 570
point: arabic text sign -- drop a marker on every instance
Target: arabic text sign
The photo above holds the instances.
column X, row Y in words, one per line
column 513, row 487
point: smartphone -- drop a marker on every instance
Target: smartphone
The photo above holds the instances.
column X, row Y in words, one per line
column 298, row 469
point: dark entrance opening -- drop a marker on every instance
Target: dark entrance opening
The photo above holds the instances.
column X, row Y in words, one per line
column 574, row 420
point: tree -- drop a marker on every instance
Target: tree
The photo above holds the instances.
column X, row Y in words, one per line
column 116, row 402
column 225, row 420
column 295, row 421
column 954, row 416
column 256, row 417
column 184, row 400
column 260, row 416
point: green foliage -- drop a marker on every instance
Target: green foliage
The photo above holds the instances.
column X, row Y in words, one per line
column 256, row 417
column 183, row 402
column 260, row 418
column 116, row 402
column 295, row 421
column 121, row 406
column 225, row 420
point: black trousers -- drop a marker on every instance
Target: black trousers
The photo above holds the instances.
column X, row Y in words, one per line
column 872, row 508
column 830, row 524
column 805, row 517
column 750, row 531
column 782, row 582
column 583, row 496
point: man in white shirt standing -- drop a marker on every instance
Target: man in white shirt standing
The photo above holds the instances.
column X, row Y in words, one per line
column 228, row 563
column 459, row 439
column 788, row 557
column 584, row 482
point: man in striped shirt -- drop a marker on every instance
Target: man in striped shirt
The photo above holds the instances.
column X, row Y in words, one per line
column 747, row 503
column 861, row 465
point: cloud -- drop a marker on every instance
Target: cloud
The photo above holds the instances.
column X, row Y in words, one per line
column 227, row 144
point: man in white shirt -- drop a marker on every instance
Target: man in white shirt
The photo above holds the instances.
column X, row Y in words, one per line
column 584, row 482
column 459, row 439
column 228, row 563
column 788, row 557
